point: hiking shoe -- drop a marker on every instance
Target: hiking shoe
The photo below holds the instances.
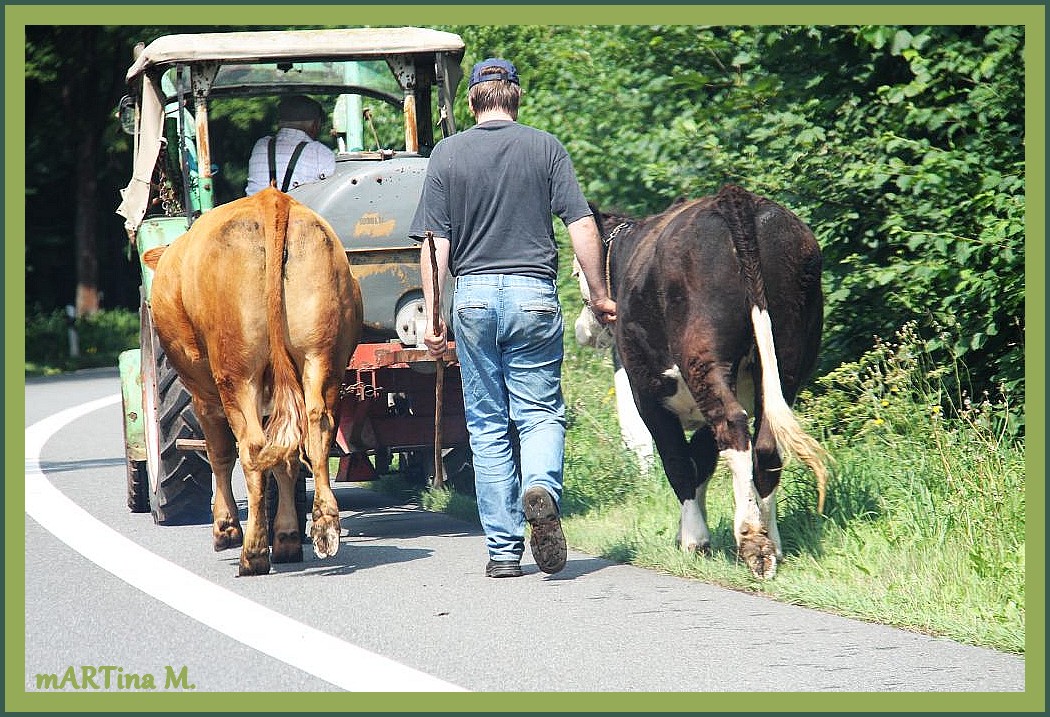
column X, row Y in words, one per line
column 503, row 569
column 547, row 540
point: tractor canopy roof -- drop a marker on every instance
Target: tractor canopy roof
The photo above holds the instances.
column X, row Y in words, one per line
column 286, row 45
column 379, row 62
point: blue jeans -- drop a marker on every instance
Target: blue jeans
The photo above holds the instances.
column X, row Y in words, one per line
column 508, row 332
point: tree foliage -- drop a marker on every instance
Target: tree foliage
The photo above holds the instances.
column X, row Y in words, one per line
column 902, row 147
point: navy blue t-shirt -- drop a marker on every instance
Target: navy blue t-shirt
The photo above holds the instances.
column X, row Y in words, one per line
column 491, row 191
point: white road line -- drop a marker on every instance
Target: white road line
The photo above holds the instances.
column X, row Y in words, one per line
column 329, row 658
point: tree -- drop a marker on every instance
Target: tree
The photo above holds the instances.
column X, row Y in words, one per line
column 70, row 105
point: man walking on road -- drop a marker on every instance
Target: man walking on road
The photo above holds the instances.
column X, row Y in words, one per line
column 488, row 200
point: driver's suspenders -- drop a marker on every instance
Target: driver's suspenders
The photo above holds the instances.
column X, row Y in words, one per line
column 291, row 162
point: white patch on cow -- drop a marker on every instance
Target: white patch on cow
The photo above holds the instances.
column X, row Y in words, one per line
column 682, row 403
column 693, row 533
column 745, row 497
column 632, row 428
column 301, row 646
column 750, row 510
column 589, row 331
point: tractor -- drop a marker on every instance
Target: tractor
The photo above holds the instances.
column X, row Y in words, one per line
column 389, row 93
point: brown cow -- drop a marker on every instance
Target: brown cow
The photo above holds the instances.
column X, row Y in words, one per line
column 719, row 318
column 258, row 311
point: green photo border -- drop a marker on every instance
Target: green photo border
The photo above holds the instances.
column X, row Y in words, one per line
column 1032, row 16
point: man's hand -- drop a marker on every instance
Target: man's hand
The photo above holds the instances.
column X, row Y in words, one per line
column 437, row 343
column 604, row 310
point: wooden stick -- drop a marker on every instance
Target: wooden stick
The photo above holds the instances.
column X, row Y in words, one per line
column 439, row 382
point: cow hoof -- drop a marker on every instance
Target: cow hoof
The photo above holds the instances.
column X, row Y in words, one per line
column 226, row 538
column 256, row 565
column 692, row 547
column 287, row 548
column 760, row 555
column 764, row 567
column 325, row 534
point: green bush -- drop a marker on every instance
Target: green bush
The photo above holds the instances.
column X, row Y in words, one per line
column 101, row 338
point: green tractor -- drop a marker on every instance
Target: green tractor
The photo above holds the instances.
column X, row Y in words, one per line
column 390, row 93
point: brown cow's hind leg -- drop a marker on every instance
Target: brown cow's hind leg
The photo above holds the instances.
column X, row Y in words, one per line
column 222, row 454
column 242, row 411
column 681, row 471
column 287, row 540
column 319, row 398
column 255, row 554
column 693, row 532
column 768, row 466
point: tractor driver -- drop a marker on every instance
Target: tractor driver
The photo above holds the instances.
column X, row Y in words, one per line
column 293, row 156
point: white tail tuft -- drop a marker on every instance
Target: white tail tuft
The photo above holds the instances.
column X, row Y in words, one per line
column 791, row 440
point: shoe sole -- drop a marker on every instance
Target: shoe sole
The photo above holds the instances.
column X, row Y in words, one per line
column 504, row 571
column 547, row 540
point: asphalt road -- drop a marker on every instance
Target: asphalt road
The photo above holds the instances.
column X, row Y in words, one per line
column 403, row 606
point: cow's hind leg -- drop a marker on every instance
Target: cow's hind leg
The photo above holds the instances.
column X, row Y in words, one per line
column 768, row 465
column 321, row 393
column 255, row 553
column 287, row 544
column 245, row 421
column 731, row 427
column 222, row 454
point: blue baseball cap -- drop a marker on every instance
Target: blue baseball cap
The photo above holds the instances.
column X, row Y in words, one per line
column 498, row 69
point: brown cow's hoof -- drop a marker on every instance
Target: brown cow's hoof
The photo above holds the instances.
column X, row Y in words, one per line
column 287, row 548
column 760, row 555
column 256, row 565
column 325, row 534
column 227, row 536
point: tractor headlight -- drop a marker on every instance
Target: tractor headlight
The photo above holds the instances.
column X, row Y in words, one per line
column 411, row 322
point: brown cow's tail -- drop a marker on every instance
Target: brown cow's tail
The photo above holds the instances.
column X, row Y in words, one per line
column 736, row 206
column 284, row 427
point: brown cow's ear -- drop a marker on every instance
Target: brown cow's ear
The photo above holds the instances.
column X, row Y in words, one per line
column 151, row 257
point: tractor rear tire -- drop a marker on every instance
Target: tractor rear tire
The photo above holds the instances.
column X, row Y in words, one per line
column 180, row 482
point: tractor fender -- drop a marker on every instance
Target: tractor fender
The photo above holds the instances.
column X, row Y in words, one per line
column 131, row 391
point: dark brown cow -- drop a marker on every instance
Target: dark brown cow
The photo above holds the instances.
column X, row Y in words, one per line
column 720, row 313
column 258, row 311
